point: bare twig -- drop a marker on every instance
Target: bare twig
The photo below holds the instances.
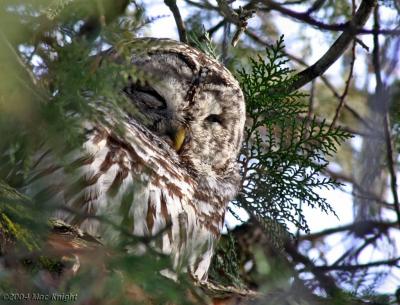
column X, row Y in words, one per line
column 347, row 129
column 388, row 262
column 305, row 17
column 362, row 44
column 316, row 6
column 229, row 13
column 338, row 47
column 347, row 84
column 388, row 32
column 216, row 27
column 368, row 195
column 302, row 16
column 326, row 282
column 311, row 101
column 178, row 19
column 361, row 227
column 352, row 252
column 202, row 5
column 238, row 18
column 346, row 87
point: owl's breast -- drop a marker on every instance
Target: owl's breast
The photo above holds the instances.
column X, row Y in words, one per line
column 135, row 182
column 189, row 227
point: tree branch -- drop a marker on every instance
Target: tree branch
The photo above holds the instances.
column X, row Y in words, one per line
column 305, row 17
column 360, row 227
column 327, row 83
column 238, row 18
column 388, row 262
column 178, row 19
column 347, row 84
column 339, row 46
column 380, row 95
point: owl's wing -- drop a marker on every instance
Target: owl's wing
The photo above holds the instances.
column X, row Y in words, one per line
column 105, row 170
column 135, row 181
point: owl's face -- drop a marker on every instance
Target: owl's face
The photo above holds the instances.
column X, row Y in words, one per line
column 192, row 102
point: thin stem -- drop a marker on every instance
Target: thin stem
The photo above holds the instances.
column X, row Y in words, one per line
column 348, row 81
column 178, row 19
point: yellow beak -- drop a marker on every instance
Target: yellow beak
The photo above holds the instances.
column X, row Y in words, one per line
column 179, row 138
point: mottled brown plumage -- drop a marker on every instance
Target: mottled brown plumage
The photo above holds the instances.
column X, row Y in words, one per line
column 173, row 166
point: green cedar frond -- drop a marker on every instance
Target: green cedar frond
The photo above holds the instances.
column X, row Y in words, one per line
column 284, row 151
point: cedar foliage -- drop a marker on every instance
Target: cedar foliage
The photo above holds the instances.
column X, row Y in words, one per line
column 285, row 151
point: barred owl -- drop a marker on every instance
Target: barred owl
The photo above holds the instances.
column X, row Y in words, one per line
column 173, row 168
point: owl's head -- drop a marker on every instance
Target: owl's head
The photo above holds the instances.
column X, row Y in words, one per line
column 192, row 102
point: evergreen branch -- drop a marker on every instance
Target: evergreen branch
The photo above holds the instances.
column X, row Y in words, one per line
column 283, row 154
